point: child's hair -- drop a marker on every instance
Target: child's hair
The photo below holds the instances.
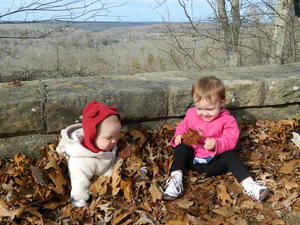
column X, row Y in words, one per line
column 209, row 88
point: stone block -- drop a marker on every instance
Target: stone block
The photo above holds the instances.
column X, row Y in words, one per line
column 135, row 99
column 30, row 145
column 244, row 93
column 282, row 91
column 21, row 108
column 273, row 112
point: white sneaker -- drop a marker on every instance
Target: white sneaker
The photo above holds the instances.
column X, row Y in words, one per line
column 80, row 203
column 257, row 190
column 174, row 188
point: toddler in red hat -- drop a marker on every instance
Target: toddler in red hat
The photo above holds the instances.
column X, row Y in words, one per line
column 91, row 148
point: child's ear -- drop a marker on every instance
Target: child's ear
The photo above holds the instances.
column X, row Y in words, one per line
column 223, row 102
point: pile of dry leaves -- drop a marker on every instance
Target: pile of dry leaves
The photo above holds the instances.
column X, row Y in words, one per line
column 37, row 191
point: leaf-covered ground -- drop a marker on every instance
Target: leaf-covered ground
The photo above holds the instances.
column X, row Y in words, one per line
column 37, row 191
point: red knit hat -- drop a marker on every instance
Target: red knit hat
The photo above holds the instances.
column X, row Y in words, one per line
column 93, row 114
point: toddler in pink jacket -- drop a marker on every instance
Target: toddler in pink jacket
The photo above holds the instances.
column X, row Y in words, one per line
column 213, row 154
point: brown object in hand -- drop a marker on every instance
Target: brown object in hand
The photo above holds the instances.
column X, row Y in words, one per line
column 192, row 137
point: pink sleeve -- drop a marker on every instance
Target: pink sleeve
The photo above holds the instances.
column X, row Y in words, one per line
column 229, row 137
column 180, row 129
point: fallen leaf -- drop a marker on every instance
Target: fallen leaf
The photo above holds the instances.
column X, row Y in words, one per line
column 287, row 123
column 58, row 179
column 250, row 204
column 137, row 134
column 119, row 219
column 99, row 187
column 290, row 185
column 5, row 211
column 223, row 212
column 37, row 175
column 223, row 195
column 126, row 186
column 176, row 222
column 155, row 191
column 184, row 203
column 144, row 219
column 116, row 179
column 288, row 167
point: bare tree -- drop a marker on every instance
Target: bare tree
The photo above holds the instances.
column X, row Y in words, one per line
column 59, row 11
column 227, row 15
column 247, row 32
column 282, row 30
column 56, row 18
column 230, row 28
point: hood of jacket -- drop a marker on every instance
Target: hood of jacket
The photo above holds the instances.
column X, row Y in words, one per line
column 71, row 144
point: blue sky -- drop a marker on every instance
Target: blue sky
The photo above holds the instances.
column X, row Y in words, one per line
column 133, row 11
column 147, row 10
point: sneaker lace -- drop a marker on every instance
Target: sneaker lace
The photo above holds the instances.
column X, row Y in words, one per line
column 174, row 184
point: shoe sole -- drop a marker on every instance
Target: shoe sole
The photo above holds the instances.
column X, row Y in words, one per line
column 169, row 198
column 264, row 194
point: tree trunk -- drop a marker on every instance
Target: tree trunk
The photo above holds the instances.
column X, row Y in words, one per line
column 230, row 31
column 282, row 26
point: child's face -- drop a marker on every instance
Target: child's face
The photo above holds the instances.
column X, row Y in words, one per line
column 108, row 133
column 209, row 110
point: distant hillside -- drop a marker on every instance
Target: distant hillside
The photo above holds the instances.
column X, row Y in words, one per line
column 97, row 26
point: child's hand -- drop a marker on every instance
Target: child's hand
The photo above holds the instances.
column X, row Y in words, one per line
column 210, row 144
column 124, row 150
column 178, row 139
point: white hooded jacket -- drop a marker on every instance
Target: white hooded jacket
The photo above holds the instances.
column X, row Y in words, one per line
column 83, row 164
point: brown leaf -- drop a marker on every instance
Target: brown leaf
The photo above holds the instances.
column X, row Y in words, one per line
column 184, row 203
column 37, row 175
column 136, row 134
column 192, row 137
column 58, row 179
column 223, row 212
column 223, row 195
column 120, row 218
column 237, row 220
column 126, row 187
column 290, row 123
column 155, row 171
column 176, row 222
column 34, row 212
column 278, row 222
column 116, row 178
column 287, row 168
column 276, row 197
column 99, row 187
column 21, row 161
column 290, row 185
column 155, row 191
column 289, row 201
column 146, row 206
column 5, row 211
column 250, row 204
column 55, row 204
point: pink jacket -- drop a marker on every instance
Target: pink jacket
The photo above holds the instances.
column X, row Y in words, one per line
column 223, row 129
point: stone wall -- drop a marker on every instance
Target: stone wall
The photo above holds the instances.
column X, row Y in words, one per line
column 34, row 113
